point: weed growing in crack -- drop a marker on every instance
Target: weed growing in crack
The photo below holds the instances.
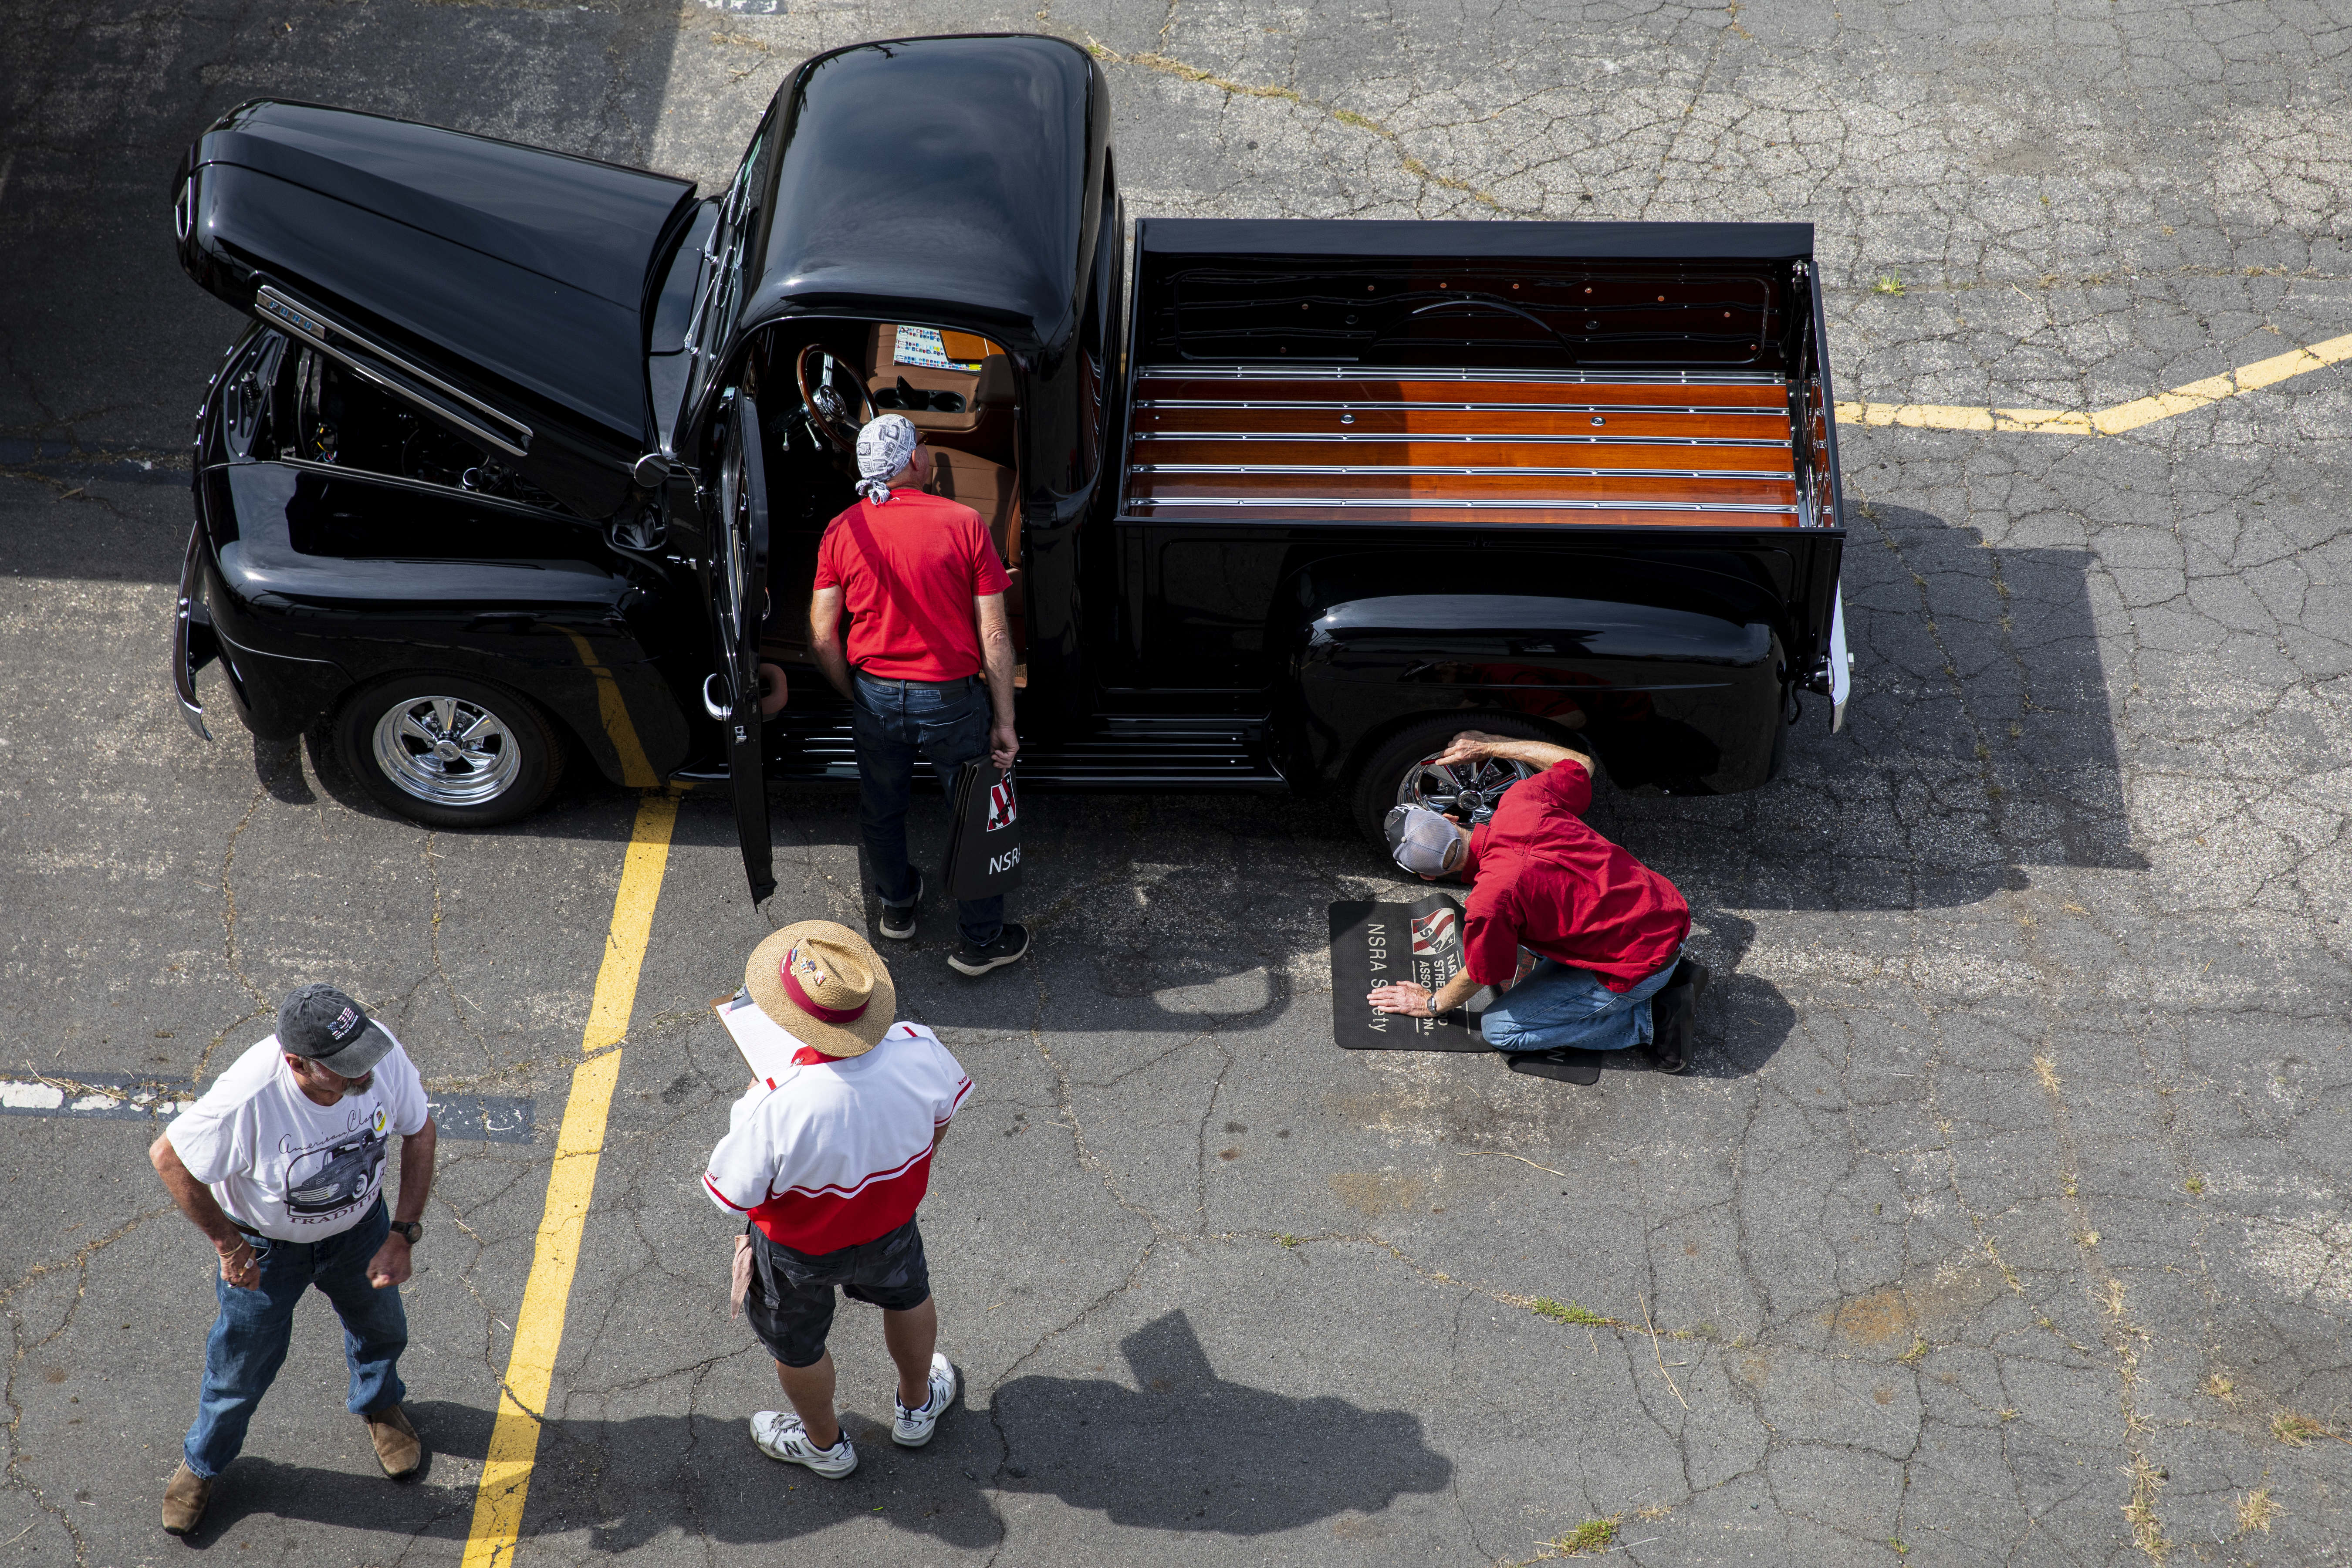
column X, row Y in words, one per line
column 2294, row 1429
column 2255, row 1511
column 1889, row 284
column 2147, row 1531
column 1915, row 1355
column 1589, row 1538
column 1286, row 1239
column 1567, row 1312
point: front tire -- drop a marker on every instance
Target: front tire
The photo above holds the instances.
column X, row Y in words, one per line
column 448, row 750
column 1394, row 774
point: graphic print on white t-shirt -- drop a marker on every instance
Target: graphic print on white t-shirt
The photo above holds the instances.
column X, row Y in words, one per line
column 329, row 1177
column 280, row 1163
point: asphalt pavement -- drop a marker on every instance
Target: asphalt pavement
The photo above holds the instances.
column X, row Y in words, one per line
column 2001, row 1222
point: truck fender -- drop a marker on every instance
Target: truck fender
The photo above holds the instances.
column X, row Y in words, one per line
column 305, row 630
column 1688, row 700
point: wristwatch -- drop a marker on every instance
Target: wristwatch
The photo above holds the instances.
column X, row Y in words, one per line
column 409, row 1228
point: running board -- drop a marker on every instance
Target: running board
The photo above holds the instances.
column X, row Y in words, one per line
column 1153, row 754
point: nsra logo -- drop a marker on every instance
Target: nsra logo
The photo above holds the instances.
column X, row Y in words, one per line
column 1003, row 809
column 1433, row 932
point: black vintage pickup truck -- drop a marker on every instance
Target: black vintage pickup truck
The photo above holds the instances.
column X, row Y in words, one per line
column 528, row 456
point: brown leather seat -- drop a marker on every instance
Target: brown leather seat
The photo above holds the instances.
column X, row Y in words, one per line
column 989, row 489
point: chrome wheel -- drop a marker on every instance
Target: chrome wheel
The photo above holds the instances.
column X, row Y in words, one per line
column 1467, row 791
column 446, row 750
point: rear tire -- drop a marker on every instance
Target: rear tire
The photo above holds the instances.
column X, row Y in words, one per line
column 449, row 751
column 1381, row 785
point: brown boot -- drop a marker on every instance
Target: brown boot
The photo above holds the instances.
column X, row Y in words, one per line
column 397, row 1447
column 184, row 1500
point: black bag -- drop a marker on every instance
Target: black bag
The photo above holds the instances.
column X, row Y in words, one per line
column 984, row 841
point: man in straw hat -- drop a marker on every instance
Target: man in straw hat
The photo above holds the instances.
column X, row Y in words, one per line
column 828, row 1159
column 929, row 666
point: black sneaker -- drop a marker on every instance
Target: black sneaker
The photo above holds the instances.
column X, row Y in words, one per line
column 1674, row 1013
column 897, row 920
column 1011, row 946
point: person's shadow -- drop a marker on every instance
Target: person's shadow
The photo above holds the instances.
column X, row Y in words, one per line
column 1187, row 1450
column 1182, row 1450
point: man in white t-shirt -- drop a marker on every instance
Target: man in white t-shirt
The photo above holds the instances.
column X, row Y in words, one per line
column 828, row 1161
column 281, row 1164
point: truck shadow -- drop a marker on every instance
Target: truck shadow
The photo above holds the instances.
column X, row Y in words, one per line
column 1980, row 744
column 1981, row 741
column 1180, row 1449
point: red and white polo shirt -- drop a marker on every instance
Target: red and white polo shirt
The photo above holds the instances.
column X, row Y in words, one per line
column 837, row 1151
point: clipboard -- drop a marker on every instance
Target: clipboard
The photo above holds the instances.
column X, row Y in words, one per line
column 766, row 1046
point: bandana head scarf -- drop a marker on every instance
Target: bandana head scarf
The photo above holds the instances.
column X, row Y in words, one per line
column 883, row 448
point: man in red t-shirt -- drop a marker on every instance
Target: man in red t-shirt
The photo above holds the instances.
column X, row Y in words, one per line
column 924, row 593
column 1607, row 931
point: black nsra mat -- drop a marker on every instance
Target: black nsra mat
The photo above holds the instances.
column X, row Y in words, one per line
column 1381, row 944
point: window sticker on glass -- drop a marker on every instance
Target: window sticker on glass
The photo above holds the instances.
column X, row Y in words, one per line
column 924, row 346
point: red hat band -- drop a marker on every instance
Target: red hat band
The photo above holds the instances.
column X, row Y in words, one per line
column 809, row 1005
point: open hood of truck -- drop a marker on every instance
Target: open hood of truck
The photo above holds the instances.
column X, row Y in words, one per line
column 950, row 181
column 512, row 277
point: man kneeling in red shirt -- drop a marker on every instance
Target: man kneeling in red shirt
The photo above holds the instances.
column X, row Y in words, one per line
column 1606, row 929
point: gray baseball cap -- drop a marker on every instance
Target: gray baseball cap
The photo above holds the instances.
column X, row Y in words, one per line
column 323, row 1024
column 1425, row 842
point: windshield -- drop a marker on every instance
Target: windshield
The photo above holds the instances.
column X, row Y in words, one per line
column 722, row 285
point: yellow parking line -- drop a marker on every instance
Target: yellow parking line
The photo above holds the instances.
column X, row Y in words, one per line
column 2105, row 421
column 539, row 1326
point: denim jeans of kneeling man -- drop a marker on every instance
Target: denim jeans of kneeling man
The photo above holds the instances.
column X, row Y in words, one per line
column 1556, row 1005
column 249, row 1337
column 892, row 721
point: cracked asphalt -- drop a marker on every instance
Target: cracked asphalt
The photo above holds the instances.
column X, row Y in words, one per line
column 2002, row 1221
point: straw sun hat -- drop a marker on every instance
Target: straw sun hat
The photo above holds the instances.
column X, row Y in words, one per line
column 820, row 984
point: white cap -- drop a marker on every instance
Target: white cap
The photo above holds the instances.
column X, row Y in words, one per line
column 1425, row 842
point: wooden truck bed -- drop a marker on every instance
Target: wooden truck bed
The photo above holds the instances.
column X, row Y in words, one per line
column 1429, row 446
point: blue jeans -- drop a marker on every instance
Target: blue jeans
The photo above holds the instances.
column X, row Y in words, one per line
column 249, row 1337
column 892, row 721
column 1556, row 1005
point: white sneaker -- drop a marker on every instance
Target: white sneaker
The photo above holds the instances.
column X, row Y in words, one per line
column 913, row 1428
column 779, row 1435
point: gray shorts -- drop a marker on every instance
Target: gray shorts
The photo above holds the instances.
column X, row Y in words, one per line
column 790, row 1303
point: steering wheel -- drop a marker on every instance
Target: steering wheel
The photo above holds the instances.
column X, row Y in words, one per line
column 833, row 397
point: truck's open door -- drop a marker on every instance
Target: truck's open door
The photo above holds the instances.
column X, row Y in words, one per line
column 740, row 582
